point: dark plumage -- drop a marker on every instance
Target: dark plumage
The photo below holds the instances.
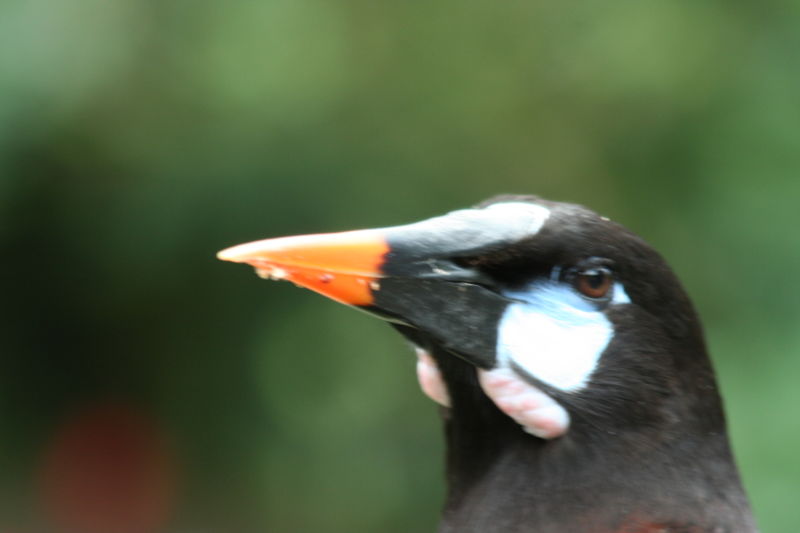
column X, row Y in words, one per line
column 645, row 448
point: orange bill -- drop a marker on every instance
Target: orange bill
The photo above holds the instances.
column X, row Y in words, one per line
column 345, row 267
column 425, row 278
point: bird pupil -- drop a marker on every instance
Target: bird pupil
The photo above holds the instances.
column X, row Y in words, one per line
column 596, row 279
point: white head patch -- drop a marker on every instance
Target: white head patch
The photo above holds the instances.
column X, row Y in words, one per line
column 511, row 221
column 536, row 215
column 514, row 220
column 554, row 334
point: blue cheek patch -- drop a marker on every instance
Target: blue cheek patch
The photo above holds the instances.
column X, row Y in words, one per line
column 555, row 335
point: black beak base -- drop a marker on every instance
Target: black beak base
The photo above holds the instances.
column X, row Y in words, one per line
column 451, row 314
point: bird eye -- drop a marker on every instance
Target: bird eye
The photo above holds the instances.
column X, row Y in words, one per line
column 593, row 283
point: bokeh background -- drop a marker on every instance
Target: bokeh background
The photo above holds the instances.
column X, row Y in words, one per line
column 147, row 388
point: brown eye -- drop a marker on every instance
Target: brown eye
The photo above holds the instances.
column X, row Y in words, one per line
column 593, row 283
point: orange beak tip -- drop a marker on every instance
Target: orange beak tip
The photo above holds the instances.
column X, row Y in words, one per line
column 235, row 254
column 225, row 255
column 341, row 266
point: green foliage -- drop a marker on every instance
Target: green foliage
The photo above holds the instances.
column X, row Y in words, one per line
column 138, row 137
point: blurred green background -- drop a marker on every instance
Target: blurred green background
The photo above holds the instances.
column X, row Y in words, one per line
column 146, row 387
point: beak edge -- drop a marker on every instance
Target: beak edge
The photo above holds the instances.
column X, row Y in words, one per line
column 345, row 267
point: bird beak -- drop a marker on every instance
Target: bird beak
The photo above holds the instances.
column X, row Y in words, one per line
column 345, row 267
column 409, row 275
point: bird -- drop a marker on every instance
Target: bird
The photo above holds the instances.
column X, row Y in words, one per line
column 576, row 388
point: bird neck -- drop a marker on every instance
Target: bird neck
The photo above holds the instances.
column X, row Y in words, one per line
column 501, row 479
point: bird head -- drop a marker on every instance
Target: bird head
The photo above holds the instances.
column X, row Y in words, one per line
column 566, row 299
column 520, row 297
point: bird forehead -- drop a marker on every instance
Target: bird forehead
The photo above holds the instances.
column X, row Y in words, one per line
column 500, row 222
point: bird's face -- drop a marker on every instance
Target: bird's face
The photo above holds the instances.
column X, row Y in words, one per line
column 553, row 292
column 544, row 317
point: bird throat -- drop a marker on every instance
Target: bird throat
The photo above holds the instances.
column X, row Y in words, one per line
column 497, row 473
